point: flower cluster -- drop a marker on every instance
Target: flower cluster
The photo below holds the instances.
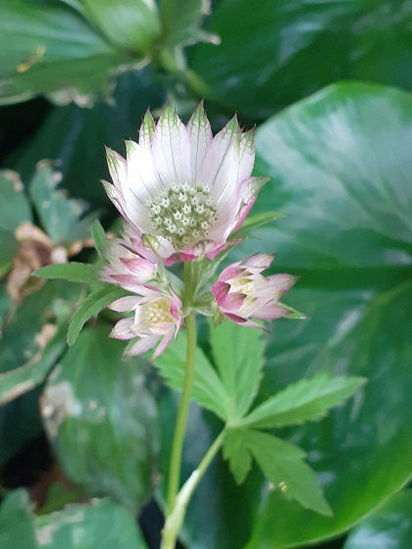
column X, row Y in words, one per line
column 182, row 193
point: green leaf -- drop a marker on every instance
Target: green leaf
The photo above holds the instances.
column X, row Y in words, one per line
column 62, row 218
column 23, row 334
column 102, row 421
column 388, row 527
column 47, row 47
column 181, row 20
column 102, row 524
column 237, row 453
column 208, row 390
column 253, row 222
column 304, row 46
column 91, row 307
column 16, row 527
column 238, row 353
column 99, row 238
column 128, row 24
column 14, row 210
column 305, row 400
column 340, row 174
column 81, row 161
column 282, row 462
column 25, row 378
column 72, row 272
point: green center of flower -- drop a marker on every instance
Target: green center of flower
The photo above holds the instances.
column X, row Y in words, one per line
column 155, row 312
column 183, row 215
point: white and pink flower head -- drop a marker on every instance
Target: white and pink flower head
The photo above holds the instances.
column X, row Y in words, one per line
column 157, row 317
column 242, row 293
column 182, row 190
column 125, row 267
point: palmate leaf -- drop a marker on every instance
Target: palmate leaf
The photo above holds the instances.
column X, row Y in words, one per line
column 208, row 390
column 280, row 461
column 305, row 400
column 16, row 521
column 229, row 390
column 238, row 353
column 91, row 307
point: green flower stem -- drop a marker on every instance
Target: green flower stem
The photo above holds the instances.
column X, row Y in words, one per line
column 174, row 520
column 183, row 411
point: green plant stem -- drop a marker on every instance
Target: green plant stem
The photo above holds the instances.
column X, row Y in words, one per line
column 183, row 411
column 174, row 520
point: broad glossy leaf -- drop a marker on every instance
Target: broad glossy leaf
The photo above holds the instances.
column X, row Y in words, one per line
column 16, row 382
column 14, row 210
column 24, row 334
column 306, row 400
column 390, row 527
column 128, row 24
column 16, row 527
column 102, row 421
column 79, row 149
column 340, row 172
column 181, row 20
column 45, row 47
column 274, row 53
column 238, row 353
column 102, row 524
column 208, row 390
column 62, row 218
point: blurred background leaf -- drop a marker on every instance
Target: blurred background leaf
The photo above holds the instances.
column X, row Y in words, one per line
column 390, row 526
column 102, row 421
column 273, row 53
column 339, row 173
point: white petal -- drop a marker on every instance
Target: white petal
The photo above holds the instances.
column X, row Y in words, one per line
column 200, row 134
column 143, row 345
column 147, row 130
column 220, row 160
column 171, row 149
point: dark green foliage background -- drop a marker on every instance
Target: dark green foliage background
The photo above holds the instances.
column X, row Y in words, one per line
column 327, row 85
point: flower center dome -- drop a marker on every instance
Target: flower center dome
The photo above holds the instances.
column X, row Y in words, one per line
column 183, row 214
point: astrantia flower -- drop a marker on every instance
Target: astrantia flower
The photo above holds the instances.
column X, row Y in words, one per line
column 183, row 190
column 242, row 292
column 157, row 316
column 126, row 268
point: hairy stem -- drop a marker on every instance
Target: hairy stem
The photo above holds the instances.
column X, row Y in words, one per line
column 174, row 520
column 183, row 411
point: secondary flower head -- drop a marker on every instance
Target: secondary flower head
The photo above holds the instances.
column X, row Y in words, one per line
column 181, row 189
column 242, row 292
column 157, row 316
column 126, row 268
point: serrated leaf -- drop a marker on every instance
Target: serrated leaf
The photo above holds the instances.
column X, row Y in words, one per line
column 208, row 390
column 61, row 217
column 255, row 221
column 238, row 353
column 305, row 400
column 91, row 307
column 99, row 238
column 238, row 455
column 282, row 462
column 72, row 272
